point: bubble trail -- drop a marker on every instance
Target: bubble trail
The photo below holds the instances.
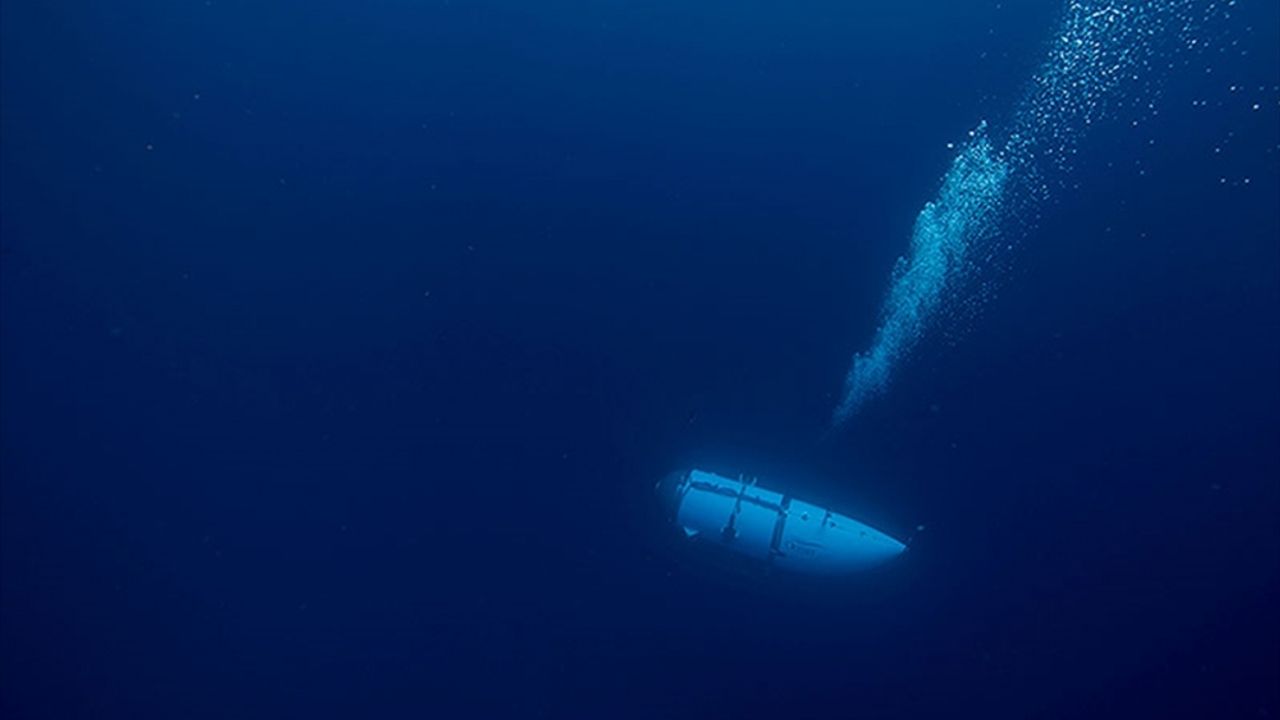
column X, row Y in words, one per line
column 1100, row 48
column 964, row 213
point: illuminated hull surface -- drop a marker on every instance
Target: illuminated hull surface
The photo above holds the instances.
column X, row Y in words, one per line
column 771, row 527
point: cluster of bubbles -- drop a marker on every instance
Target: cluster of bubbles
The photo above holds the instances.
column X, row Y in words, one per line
column 965, row 213
column 1104, row 51
column 1104, row 55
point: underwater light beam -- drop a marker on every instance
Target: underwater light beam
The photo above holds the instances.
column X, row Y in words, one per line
column 1100, row 47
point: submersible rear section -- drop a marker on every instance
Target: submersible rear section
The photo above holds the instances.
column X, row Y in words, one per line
column 771, row 527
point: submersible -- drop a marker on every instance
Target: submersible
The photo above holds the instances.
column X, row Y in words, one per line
column 771, row 528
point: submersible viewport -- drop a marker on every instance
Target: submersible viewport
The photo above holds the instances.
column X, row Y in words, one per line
column 771, row 528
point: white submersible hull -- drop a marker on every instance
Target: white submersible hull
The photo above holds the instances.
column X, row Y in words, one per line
column 771, row 527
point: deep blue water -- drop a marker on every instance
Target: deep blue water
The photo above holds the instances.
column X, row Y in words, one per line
column 342, row 344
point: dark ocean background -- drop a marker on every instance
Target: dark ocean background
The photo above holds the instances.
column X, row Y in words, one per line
column 344, row 342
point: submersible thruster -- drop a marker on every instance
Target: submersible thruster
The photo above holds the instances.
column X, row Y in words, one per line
column 770, row 527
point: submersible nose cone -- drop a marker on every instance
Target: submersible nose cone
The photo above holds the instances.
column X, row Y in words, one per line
column 772, row 528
